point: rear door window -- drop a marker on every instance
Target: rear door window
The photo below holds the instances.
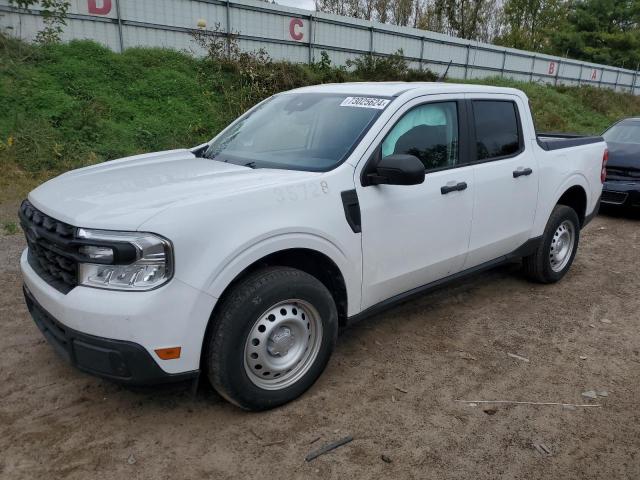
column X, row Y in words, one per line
column 498, row 132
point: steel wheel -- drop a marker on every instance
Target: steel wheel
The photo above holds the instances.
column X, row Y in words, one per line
column 562, row 246
column 283, row 344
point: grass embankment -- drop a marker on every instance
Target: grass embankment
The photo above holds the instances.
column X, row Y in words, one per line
column 65, row 106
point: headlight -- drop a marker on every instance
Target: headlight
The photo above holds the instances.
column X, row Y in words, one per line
column 123, row 260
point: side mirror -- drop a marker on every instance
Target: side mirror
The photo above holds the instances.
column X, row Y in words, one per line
column 397, row 170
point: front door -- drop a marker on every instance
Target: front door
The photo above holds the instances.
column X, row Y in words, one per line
column 414, row 235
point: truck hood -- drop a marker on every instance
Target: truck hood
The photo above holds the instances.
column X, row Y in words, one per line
column 123, row 194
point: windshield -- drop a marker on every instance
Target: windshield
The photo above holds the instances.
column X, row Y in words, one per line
column 624, row 132
column 304, row 131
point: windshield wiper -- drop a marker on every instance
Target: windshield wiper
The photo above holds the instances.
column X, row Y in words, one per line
column 250, row 164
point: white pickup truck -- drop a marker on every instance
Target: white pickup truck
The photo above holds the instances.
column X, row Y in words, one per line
column 239, row 259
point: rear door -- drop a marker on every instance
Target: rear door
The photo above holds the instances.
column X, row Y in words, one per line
column 414, row 235
column 506, row 177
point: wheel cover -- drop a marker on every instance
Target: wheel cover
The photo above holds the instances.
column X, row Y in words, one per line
column 562, row 245
column 283, row 344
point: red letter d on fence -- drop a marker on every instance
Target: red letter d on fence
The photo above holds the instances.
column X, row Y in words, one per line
column 103, row 10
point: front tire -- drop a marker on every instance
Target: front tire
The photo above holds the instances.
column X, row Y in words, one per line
column 557, row 248
column 271, row 338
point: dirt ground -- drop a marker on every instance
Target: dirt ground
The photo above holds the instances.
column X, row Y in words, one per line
column 581, row 334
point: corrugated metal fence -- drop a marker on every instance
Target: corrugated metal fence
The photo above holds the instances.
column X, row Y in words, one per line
column 300, row 35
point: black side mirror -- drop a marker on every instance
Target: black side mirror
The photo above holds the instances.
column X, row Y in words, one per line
column 396, row 170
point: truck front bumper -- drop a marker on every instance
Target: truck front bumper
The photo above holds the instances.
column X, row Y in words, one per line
column 117, row 360
column 115, row 334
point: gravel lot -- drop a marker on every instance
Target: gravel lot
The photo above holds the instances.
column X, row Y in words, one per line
column 56, row 422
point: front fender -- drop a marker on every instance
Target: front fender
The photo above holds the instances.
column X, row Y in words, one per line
column 239, row 260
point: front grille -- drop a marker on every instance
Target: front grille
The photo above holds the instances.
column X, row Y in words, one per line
column 49, row 242
column 616, row 198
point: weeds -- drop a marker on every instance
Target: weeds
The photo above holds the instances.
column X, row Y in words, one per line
column 10, row 227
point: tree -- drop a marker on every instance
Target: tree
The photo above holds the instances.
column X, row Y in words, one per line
column 470, row 19
column 351, row 8
column 601, row 31
column 381, row 9
column 530, row 24
column 430, row 16
column 365, row 9
column 368, row 9
column 402, row 11
column 55, row 17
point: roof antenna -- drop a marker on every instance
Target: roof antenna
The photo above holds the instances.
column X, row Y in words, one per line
column 442, row 77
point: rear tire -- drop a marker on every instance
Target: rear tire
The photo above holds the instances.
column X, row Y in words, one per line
column 557, row 248
column 271, row 338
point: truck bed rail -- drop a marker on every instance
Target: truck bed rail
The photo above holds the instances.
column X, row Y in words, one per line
column 557, row 141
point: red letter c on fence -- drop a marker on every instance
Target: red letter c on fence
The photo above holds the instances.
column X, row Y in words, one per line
column 296, row 22
column 103, row 10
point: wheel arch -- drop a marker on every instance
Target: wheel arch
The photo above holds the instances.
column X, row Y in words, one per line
column 574, row 191
column 312, row 254
column 576, row 198
column 310, row 261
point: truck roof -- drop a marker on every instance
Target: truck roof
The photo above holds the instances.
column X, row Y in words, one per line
column 394, row 89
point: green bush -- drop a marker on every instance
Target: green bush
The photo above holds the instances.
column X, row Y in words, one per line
column 392, row 68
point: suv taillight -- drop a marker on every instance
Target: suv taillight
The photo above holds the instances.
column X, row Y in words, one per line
column 605, row 159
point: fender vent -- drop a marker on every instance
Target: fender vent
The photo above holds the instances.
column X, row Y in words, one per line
column 352, row 210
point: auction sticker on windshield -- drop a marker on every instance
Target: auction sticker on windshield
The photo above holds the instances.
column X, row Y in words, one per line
column 365, row 102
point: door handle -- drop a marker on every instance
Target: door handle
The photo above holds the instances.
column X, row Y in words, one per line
column 522, row 172
column 453, row 188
